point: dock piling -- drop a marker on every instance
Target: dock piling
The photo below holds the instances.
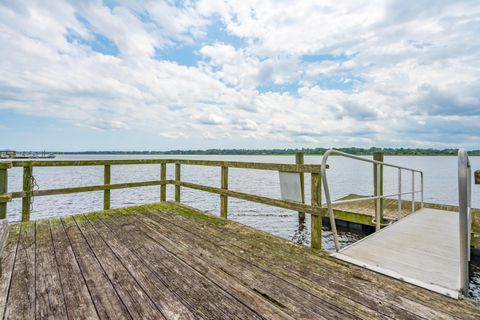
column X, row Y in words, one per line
column 163, row 177
column 300, row 159
column 106, row 181
column 224, row 198
column 177, row 181
column 316, row 223
column 27, row 189
column 3, row 188
column 378, row 186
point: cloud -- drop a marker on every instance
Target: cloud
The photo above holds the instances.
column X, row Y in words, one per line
column 304, row 73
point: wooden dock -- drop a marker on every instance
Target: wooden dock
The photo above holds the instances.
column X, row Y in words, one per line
column 169, row 261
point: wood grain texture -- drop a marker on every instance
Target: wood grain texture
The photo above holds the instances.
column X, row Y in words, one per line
column 169, row 261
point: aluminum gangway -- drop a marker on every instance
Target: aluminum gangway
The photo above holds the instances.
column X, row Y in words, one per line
column 428, row 248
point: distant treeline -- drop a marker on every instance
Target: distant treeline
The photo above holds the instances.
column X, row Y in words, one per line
column 311, row 151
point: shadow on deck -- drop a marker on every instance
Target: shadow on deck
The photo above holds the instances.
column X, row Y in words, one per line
column 169, row 261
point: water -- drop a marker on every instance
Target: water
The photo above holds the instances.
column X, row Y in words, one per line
column 345, row 176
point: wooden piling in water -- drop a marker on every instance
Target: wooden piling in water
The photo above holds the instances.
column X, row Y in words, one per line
column 106, row 193
column 300, row 159
column 4, row 187
column 177, row 181
column 163, row 177
column 224, row 198
column 378, row 189
column 316, row 222
column 27, row 189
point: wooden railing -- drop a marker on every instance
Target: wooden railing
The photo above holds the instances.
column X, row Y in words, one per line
column 28, row 191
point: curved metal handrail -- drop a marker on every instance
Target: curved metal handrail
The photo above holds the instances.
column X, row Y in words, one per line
column 464, row 216
column 380, row 164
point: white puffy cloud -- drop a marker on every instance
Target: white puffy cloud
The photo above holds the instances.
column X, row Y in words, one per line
column 379, row 72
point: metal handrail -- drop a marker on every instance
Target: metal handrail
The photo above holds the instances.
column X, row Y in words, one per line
column 465, row 216
column 378, row 182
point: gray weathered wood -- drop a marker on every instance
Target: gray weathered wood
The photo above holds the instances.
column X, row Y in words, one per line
column 163, row 177
column 107, row 302
column 27, row 189
column 78, row 302
column 106, row 181
column 21, row 297
column 224, row 198
column 49, row 302
column 138, row 303
column 8, row 259
column 299, row 159
column 378, row 189
column 3, row 239
column 3, row 190
column 316, row 220
column 177, row 182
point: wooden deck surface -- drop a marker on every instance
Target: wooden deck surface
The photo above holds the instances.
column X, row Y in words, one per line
column 168, row 261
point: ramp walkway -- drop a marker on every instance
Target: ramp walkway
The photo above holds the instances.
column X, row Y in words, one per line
column 428, row 248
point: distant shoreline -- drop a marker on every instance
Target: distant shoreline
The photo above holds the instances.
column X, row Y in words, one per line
column 283, row 152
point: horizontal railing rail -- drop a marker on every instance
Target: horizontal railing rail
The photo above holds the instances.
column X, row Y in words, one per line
column 28, row 191
column 378, row 170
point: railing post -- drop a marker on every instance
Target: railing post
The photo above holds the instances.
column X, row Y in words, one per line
column 413, row 191
column 177, row 181
column 316, row 224
column 106, row 193
column 378, row 185
column 27, row 187
column 399, row 213
column 224, row 198
column 163, row 177
column 4, row 186
column 300, row 159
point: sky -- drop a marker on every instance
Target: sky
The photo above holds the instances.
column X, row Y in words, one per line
column 162, row 75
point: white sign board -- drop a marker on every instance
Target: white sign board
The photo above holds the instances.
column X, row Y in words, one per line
column 290, row 186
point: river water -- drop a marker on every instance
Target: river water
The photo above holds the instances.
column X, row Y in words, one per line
column 345, row 176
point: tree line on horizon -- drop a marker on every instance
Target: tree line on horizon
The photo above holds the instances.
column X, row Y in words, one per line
column 291, row 151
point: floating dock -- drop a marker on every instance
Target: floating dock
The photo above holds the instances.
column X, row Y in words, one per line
column 169, row 261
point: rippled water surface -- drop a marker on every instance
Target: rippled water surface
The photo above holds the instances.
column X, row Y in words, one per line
column 345, row 176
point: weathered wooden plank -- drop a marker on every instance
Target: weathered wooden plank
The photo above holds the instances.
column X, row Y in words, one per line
column 177, row 182
column 3, row 239
column 316, row 221
column 204, row 298
column 221, row 278
column 231, row 164
column 8, row 259
column 165, row 300
column 3, row 190
column 163, row 177
column 51, row 192
column 315, row 302
column 107, row 302
column 269, row 257
column 21, row 298
column 300, row 159
column 254, row 198
column 49, row 300
column 78, row 302
column 316, row 267
column 106, row 181
column 27, row 189
column 224, row 198
column 138, row 303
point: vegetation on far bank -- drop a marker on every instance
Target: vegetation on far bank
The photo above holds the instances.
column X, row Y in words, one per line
column 290, row 151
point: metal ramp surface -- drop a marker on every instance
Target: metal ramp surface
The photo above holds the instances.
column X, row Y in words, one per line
column 421, row 249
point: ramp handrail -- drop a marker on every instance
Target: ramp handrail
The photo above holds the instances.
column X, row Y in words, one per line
column 379, row 167
column 464, row 216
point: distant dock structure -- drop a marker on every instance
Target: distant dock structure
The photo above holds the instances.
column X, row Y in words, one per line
column 12, row 154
